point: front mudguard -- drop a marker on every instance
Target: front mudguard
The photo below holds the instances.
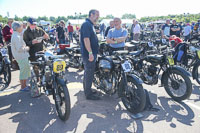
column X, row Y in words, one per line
column 60, row 81
column 136, row 78
column 122, row 85
column 174, row 68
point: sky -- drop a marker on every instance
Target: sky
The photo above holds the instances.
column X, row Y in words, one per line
column 117, row 8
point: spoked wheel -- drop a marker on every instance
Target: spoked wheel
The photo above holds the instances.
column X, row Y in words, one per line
column 63, row 104
column 134, row 99
column 7, row 74
column 177, row 85
column 35, row 90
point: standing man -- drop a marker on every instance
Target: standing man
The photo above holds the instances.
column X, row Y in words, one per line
column 187, row 32
column 132, row 29
column 117, row 36
column 109, row 27
column 166, row 29
column 89, row 50
column 35, row 45
column 61, row 33
column 7, row 33
column 1, row 34
column 136, row 31
column 102, row 29
column 174, row 29
column 70, row 31
column 30, row 37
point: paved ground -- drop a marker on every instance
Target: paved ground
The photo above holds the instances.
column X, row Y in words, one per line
column 22, row 114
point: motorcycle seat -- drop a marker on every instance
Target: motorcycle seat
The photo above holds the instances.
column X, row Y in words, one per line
column 135, row 53
column 135, row 42
column 121, row 52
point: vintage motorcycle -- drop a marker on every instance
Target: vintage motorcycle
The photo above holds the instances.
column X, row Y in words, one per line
column 51, row 79
column 112, row 75
column 5, row 65
column 175, row 79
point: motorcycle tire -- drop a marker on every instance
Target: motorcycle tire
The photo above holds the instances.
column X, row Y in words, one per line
column 64, row 99
column 137, row 104
column 7, row 74
column 187, row 81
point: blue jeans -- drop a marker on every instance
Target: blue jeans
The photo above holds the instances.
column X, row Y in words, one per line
column 61, row 41
column 89, row 69
column 71, row 36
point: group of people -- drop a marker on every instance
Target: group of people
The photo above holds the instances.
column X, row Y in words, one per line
column 23, row 37
column 180, row 29
column 115, row 36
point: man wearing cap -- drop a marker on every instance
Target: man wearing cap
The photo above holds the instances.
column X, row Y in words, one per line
column 30, row 37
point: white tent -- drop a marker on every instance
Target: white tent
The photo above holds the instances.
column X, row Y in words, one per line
column 75, row 21
column 128, row 22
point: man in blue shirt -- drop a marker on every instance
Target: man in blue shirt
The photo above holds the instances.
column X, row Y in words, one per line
column 116, row 36
column 89, row 51
column 166, row 30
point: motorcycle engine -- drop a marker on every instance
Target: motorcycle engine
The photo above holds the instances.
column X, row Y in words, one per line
column 152, row 70
column 150, row 74
column 107, row 79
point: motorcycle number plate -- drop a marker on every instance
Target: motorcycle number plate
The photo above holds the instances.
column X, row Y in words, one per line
column 126, row 66
column 59, row 66
column 171, row 61
column 198, row 53
column 150, row 44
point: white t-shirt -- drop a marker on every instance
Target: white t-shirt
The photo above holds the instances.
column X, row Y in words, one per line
column 136, row 29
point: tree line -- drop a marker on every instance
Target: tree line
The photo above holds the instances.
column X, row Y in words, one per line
column 186, row 17
column 179, row 18
column 57, row 19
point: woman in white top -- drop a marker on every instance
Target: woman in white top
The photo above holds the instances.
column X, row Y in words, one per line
column 20, row 53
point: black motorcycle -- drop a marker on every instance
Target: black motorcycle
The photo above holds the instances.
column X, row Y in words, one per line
column 113, row 75
column 51, row 79
column 74, row 58
column 191, row 60
column 5, row 65
column 175, row 79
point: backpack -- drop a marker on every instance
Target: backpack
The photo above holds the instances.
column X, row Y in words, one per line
column 180, row 54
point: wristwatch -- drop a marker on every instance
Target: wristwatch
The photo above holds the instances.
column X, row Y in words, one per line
column 90, row 52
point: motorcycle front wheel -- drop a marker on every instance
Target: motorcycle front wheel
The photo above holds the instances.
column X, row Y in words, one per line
column 177, row 85
column 134, row 99
column 62, row 102
column 7, row 74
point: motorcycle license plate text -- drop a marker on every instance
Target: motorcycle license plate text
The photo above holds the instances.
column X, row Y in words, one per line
column 59, row 66
column 126, row 66
column 198, row 53
column 171, row 61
